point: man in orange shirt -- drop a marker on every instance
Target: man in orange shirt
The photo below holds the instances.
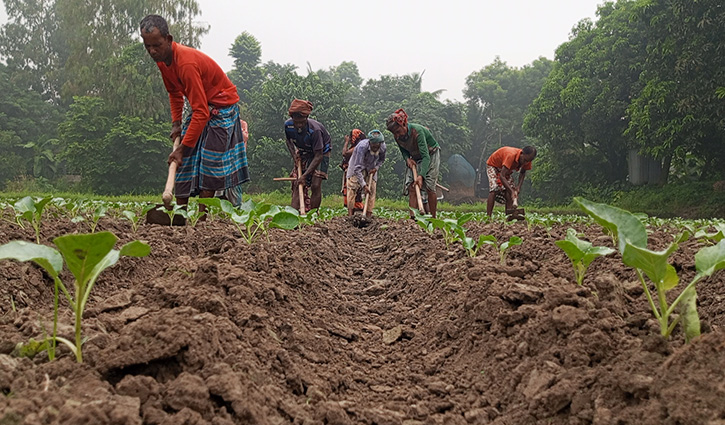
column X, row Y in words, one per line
column 212, row 155
column 500, row 167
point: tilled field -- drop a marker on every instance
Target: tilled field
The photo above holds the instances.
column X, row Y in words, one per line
column 337, row 325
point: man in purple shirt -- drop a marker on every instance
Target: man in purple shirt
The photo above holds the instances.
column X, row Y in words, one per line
column 366, row 159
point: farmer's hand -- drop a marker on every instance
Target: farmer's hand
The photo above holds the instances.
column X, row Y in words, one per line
column 372, row 172
column 367, row 189
column 177, row 156
column 419, row 182
column 411, row 163
column 175, row 130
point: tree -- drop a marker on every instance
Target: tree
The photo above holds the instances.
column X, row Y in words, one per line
column 579, row 118
column 113, row 155
column 60, row 44
column 677, row 114
column 247, row 74
column 497, row 98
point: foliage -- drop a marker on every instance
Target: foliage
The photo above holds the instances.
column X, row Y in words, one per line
column 581, row 253
column 654, row 264
column 86, row 256
column 254, row 219
column 31, row 211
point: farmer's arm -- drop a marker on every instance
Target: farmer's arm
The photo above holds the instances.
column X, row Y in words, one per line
column 425, row 158
column 505, row 178
column 314, row 164
column 522, row 175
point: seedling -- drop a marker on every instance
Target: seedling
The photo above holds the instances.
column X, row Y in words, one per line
column 581, row 253
column 192, row 214
column 28, row 209
column 653, row 264
column 98, row 213
column 86, row 256
column 173, row 212
column 253, row 219
column 472, row 246
column 503, row 248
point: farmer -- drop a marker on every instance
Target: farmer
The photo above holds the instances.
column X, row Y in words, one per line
column 366, row 159
column 419, row 150
column 500, row 167
column 211, row 156
column 307, row 141
column 351, row 140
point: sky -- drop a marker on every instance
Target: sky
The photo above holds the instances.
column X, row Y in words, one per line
column 447, row 40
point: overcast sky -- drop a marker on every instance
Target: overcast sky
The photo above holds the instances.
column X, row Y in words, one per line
column 447, row 39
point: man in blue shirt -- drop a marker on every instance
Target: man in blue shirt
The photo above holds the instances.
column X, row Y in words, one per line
column 366, row 159
column 309, row 142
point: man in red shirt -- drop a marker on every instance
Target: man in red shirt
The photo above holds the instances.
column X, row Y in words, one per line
column 500, row 167
column 212, row 155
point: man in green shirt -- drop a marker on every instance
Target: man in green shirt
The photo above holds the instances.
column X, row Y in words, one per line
column 419, row 150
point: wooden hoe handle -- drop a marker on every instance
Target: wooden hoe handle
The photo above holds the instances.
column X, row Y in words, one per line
column 302, row 191
column 367, row 195
column 417, row 190
column 171, row 178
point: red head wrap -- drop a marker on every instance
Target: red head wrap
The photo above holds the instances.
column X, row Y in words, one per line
column 355, row 136
column 300, row 106
column 398, row 117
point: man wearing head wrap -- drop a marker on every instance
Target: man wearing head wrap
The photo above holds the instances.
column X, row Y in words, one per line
column 212, row 155
column 309, row 142
column 366, row 159
column 351, row 140
column 420, row 150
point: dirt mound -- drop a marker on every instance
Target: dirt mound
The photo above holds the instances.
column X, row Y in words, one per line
column 336, row 324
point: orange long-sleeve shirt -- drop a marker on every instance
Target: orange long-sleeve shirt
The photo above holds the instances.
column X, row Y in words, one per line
column 195, row 75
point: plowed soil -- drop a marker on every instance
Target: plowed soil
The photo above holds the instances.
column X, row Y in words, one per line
column 335, row 324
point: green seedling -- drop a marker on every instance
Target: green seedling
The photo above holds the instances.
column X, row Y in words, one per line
column 175, row 210
column 98, row 213
column 31, row 211
column 655, row 266
column 504, row 247
column 192, row 214
column 253, row 219
column 472, row 246
column 86, row 256
column 581, row 253
column 704, row 236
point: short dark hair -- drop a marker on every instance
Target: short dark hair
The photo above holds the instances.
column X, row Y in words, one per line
column 529, row 150
column 154, row 21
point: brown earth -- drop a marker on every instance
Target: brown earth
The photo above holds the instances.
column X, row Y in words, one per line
column 339, row 325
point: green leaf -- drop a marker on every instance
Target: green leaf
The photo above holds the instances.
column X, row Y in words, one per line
column 84, row 252
column 688, row 314
column 653, row 263
column 571, row 249
column 136, row 249
column 625, row 225
column 711, row 259
column 45, row 256
column 285, row 220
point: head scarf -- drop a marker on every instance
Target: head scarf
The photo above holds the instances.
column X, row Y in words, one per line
column 300, row 106
column 398, row 117
column 355, row 136
column 376, row 136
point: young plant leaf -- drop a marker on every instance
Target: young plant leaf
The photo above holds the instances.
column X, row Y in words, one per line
column 625, row 226
column 83, row 252
column 710, row 259
column 689, row 319
column 45, row 256
column 285, row 220
column 653, row 263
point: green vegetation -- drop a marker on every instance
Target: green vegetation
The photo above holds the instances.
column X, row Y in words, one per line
column 581, row 253
column 86, row 256
column 620, row 87
column 630, row 235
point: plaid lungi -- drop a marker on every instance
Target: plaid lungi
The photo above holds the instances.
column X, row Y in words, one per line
column 219, row 159
column 495, row 185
